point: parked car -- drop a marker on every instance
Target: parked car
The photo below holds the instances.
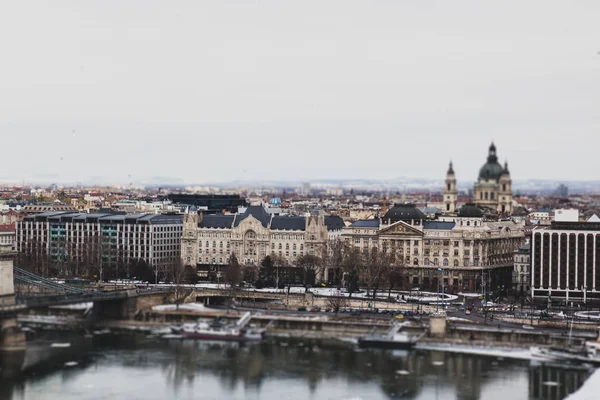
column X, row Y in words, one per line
column 528, row 327
column 315, row 309
column 301, row 308
column 467, row 312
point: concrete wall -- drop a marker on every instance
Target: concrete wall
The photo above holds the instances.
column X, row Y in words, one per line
column 11, row 337
column 6, row 276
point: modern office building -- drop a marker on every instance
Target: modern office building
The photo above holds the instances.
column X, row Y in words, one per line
column 565, row 260
column 212, row 203
column 68, row 236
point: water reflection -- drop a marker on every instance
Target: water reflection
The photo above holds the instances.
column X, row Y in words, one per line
column 192, row 369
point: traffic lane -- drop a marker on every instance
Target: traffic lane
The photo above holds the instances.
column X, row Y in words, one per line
column 305, row 313
column 479, row 318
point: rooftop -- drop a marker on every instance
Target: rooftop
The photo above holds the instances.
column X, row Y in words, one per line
column 366, row 223
column 403, row 212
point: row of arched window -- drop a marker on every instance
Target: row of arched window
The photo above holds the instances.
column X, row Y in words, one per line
column 436, row 262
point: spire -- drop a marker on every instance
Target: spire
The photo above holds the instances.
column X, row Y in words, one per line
column 492, row 157
column 505, row 168
column 450, row 169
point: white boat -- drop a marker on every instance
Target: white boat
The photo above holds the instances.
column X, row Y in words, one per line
column 588, row 353
column 393, row 339
column 583, row 354
column 217, row 330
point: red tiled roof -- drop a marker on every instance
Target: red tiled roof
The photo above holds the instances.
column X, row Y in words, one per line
column 7, row 227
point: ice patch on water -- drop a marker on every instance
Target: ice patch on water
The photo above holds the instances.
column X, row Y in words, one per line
column 438, row 363
column 60, row 345
column 551, row 383
column 71, row 363
column 402, row 372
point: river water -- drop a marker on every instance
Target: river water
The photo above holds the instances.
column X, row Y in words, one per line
column 134, row 366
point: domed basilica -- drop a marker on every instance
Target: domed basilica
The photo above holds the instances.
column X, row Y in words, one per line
column 493, row 189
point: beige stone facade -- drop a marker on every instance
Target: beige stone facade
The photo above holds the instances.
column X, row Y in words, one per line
column 254, row 234
column 462, row 251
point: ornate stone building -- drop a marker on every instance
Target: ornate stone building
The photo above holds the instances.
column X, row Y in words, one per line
column 492, row 190
column 464, row 246
column 211, row 239
column 450, row 192
column 494, row 187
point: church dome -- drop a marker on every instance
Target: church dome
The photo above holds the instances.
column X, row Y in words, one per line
column 404, row 212
column 491, row 169
column 470, row 210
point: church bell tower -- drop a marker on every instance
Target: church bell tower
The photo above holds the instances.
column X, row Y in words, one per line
column 189, row 239
column 450, row 194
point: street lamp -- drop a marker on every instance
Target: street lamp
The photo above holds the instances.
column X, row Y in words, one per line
column 441, row 281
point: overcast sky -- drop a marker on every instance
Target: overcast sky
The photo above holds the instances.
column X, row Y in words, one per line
column 206, row 91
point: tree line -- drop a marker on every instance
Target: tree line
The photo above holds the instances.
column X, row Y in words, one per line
column 372, row 269
column 98, row 260
column 352, row 268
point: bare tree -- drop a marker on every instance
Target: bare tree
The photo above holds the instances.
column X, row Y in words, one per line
column 233, row 272
column 336, row 303
column 393, row 276
column 351, row 264
column 174, row 272
column 333, row 256
column 375, row 262
column 310, row 267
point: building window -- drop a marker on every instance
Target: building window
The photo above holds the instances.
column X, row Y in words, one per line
column 426, row 261
column 445, row 262
column 456, row 263
column 416, row 261
column 436, row 262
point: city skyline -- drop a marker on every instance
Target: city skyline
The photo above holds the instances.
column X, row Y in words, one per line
column 217, row 92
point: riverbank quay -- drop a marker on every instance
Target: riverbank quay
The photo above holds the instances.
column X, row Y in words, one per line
column 351, row 328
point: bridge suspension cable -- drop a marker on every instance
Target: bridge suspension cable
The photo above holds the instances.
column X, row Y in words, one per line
column 33, row 279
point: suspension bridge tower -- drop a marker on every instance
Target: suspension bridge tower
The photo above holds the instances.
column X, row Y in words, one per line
column 11, row 337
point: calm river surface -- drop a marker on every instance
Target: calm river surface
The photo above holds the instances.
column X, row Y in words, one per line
column 114, row 367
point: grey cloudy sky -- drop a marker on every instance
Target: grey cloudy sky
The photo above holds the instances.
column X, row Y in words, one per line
column 208, row 91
